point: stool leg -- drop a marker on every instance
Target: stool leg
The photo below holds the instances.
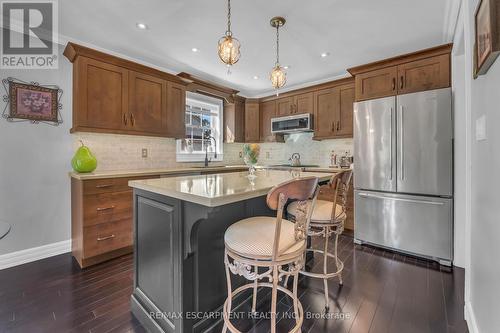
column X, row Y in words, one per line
column 254, row 300
column 295, row 298
column 229, row 297
column 274, row 299
column 325, row 267
column 337, row 258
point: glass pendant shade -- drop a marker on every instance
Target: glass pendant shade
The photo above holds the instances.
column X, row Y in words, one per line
column 229, row 50
column 278, row 77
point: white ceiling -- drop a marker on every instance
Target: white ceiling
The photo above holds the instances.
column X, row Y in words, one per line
column 354, row 32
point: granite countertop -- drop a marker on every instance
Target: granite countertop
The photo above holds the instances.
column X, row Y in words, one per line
column 219, row 189
column 152, row 172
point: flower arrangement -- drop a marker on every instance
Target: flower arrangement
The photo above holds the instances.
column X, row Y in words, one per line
column 251, row 156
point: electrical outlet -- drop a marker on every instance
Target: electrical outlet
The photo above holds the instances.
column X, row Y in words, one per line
column 241, row 154
column 144, row 152
column 268, row 154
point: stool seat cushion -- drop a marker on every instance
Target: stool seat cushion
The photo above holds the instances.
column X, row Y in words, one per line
column 322, row 212
column 254, row 237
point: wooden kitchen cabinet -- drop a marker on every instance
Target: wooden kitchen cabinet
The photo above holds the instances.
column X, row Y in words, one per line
column 325, row 102
column 114, row 95
column 284, row 106
column 147, row 103
column 101, row 219
column 234, row 121
column 426, row 74
column 303, row 103
column 101, row 97
column 297, row 104
column 176, row 111
column 267, row 112
column 377, row 83
column 418, row 71
column 333, row 112
column 252, row 122
column 344, row 126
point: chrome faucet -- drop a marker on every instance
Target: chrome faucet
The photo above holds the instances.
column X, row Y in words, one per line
column 208, row 136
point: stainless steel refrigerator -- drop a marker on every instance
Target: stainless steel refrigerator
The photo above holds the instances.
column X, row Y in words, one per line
column 403, row 173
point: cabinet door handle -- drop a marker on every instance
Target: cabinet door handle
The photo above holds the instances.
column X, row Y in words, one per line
column 132, row 119
column 401, row 84
column 103, row 186
column 333, row 126
column 100, row 209
column 338, row 125
column 99, row 239
column 125, row 119
column 393, row 83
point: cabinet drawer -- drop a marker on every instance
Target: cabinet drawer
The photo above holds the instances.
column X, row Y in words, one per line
column 107, row 185
column 106, row 237
column 96, row 186
column 107, row 207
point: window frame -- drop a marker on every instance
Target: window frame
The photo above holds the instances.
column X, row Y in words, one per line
column 209, row 102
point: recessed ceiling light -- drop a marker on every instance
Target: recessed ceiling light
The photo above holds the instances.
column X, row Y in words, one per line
column 141, row 26
column 287, row 67
column 194, row 49
column 325, row 54
column 255, row 77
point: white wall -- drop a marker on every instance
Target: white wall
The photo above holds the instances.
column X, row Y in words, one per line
column 34, row 165
column 460, row 156
column 482, row 263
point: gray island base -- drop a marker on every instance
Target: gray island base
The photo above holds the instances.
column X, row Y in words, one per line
column 179, row 225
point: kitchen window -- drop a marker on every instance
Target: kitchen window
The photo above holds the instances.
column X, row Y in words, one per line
column 203, row 115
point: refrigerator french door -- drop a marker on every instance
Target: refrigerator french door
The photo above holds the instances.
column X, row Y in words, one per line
column 403, row 153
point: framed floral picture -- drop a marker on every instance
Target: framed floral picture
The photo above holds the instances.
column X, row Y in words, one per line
column 487, row 45
column 32, row 102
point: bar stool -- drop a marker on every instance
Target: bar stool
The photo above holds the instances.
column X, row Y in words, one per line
column 328, row 219
column 271, row 244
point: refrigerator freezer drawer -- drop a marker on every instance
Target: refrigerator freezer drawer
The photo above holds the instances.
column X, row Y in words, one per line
column 414, row 224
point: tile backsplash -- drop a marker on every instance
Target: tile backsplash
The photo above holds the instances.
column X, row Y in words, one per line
column 124, row 152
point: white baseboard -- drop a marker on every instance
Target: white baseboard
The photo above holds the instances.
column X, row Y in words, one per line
column 35, row 253
column 470, row 318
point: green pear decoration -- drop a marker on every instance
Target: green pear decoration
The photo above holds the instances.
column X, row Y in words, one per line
column 83, row 161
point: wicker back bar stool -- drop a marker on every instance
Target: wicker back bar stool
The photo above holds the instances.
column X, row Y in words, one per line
column 328, row 218
column 265, row 249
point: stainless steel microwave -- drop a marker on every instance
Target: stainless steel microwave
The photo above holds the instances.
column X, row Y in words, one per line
column 291, row 124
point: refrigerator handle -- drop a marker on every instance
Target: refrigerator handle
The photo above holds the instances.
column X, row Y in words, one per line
column 401, row 143
column 366, row 195
column 390, row 140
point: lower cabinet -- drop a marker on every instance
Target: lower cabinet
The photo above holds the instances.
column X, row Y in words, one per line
column 101, row 219
column 102, row 213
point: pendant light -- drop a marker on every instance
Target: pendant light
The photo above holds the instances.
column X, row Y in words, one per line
column 278, row 74
column 229, row 47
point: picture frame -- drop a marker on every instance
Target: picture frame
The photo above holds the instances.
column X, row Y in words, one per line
column 32, row 102
column 487, row 35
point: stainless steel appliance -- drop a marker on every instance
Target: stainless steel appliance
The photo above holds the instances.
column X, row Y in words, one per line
column 291, row 124
column 403, row 153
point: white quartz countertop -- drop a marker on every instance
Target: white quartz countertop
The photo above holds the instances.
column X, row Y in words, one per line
column 219, row 189
column 152, row 172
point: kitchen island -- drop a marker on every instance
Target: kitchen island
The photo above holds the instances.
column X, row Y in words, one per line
column 179, row 225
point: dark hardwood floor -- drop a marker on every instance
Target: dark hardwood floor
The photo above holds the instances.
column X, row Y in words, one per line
column 382, row 292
